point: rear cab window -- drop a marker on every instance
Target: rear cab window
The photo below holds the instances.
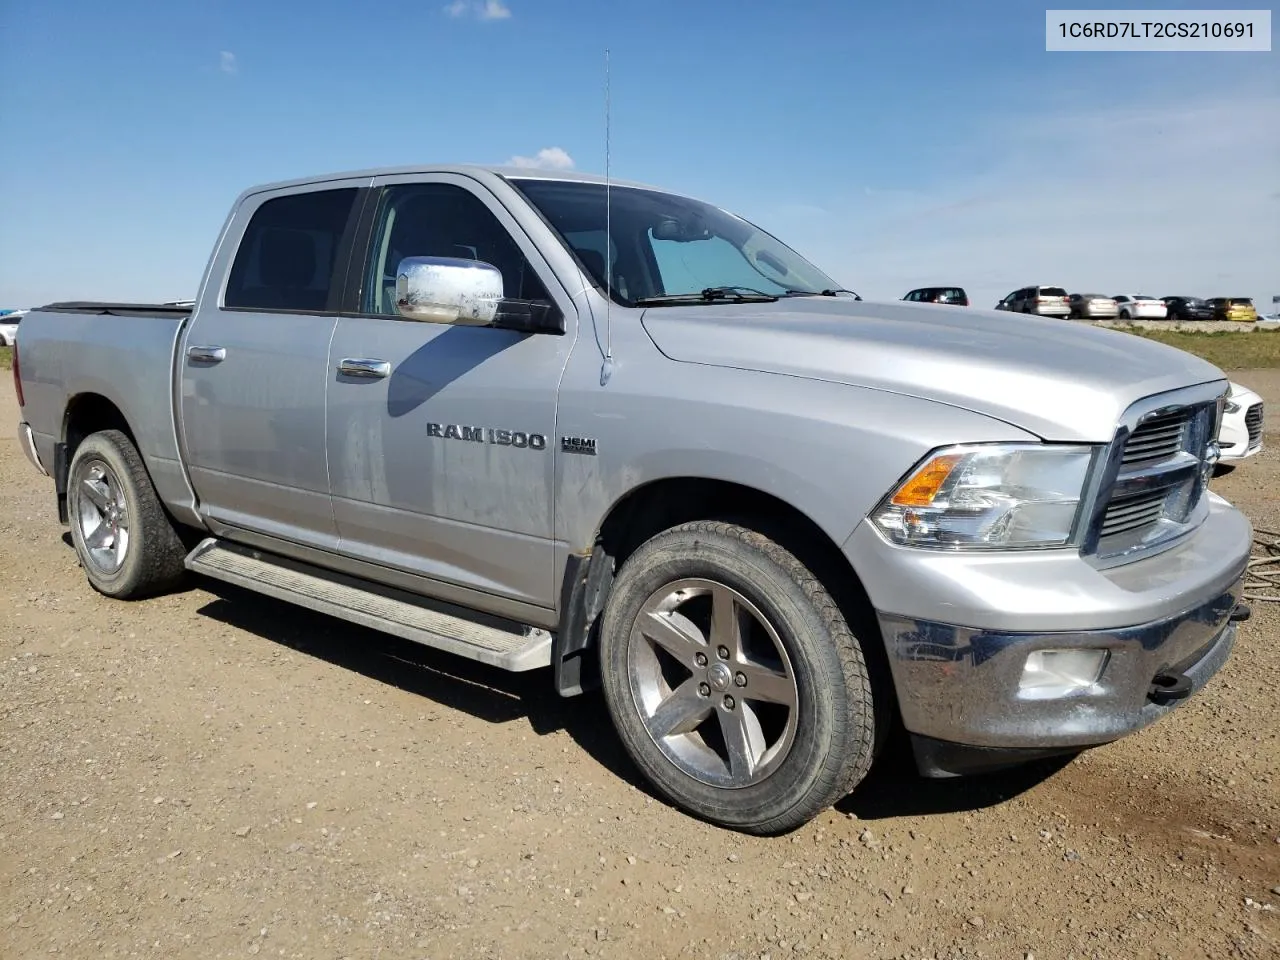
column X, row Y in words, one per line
column 289, row 257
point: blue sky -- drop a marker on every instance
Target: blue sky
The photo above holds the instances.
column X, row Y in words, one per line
column 895, row 145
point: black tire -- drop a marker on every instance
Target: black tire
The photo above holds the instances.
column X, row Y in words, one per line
column 150, row 560
column 833, row 739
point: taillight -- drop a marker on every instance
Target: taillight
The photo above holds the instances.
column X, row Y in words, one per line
column 17, row 374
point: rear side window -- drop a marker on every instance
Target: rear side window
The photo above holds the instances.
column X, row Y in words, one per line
column 288, row 255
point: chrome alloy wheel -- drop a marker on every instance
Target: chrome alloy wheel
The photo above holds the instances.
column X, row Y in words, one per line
column 712, row 682
column 103, row 517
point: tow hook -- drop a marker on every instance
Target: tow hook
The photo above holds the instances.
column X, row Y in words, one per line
column 1167, row 686
column 1240, row 613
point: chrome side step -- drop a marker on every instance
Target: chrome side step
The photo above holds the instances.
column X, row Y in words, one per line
column 492, row 640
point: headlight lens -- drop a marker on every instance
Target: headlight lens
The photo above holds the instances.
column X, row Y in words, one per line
column 989, row 496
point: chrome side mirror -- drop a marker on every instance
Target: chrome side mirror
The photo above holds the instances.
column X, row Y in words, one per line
column 448, row 290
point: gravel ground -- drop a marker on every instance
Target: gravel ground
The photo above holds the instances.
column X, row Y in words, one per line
column 216, row 774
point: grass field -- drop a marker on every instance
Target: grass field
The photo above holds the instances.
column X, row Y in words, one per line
column 1230, row 351
column 6, row 358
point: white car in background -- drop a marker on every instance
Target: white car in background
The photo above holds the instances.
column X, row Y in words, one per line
column 9, row 327
column 1240, row 435
column 1139, row 307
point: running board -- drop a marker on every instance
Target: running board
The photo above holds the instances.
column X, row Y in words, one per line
column 492, row 640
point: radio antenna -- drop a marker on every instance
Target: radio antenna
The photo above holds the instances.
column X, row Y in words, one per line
column 606, row 370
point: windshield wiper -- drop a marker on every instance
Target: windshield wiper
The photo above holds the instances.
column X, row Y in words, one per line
column 710, row 295
column 821, row 293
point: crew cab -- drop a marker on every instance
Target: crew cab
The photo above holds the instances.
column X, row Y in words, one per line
column 542, row 420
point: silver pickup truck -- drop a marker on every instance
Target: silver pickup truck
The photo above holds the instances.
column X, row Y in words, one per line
column 537, row 420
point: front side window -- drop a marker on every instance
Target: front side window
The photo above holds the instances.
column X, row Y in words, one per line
column 665, row 245
column 440, row 220
column 288, row 254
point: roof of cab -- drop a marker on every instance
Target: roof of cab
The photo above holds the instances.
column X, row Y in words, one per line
column 463, row 169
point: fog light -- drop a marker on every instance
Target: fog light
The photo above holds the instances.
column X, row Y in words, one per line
column 1058, row 673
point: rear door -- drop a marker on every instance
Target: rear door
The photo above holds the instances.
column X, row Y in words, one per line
column 441, row 438
column 253, row 363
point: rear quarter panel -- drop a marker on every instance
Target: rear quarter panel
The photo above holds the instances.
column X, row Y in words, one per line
column 129, row 361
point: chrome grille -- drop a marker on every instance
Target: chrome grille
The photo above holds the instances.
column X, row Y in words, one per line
column 1156, row 438
column 1253, row 423
column 1158, row 479
column 1132, row 513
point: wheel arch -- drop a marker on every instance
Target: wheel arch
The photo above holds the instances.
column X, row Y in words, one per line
column 657, row 505
column 85, row 414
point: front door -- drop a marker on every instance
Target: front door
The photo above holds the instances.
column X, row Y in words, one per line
column 441, row 439
column 253, row 366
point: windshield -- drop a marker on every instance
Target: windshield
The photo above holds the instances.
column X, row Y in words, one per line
column 664, row 245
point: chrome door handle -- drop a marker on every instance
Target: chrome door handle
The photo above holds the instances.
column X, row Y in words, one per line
column 207, row 354
column 364, row 369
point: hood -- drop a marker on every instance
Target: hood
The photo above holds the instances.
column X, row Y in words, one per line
column 1058, row 379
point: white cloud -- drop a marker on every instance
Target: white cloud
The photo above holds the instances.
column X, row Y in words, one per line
column 548, row 158
column 1156, row 198
column 227, row 62
column 480, row 9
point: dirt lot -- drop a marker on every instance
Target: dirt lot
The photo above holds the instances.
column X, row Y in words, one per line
column 215, row 774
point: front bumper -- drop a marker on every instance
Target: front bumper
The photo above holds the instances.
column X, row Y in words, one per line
column 961, row 685
column 958, row 628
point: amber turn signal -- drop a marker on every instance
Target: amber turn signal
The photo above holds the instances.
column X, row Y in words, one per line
column 924, row 484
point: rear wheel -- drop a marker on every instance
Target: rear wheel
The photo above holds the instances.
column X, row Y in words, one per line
column 734, row 680
column 126, row 542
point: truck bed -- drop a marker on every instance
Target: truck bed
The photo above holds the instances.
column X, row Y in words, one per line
column 120, row 353
column 159, row 310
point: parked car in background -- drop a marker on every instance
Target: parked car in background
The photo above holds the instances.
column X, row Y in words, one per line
column 952, row 295
column 1140, row 307
column 9, row 327
column 1240, row 434
column 1092, row 306
column 1239, row 309
column 1187, row 308
column 1044, row 301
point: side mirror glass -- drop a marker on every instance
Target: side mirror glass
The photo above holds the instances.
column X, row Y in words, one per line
column 448, row 290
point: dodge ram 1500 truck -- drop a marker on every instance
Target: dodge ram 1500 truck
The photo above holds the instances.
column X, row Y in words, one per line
column 537, row 419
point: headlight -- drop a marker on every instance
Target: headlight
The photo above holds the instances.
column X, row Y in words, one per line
column 989, row 496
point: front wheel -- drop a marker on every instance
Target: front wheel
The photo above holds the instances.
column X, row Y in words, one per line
column 734, row 680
